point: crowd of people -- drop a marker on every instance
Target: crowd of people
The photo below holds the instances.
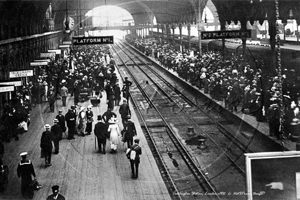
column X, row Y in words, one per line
column 241, row 84
column 90, row 72
column 86, row 73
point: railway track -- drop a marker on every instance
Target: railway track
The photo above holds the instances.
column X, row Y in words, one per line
column 164, row 111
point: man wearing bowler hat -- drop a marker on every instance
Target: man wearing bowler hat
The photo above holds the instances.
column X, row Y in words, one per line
column 55, row 195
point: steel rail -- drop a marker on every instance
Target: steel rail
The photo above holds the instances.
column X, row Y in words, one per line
column 154, row 149
column 204, row 182
column 233, row 160
column 240, row 144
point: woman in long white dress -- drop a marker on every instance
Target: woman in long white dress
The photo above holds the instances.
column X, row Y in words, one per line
column 114, row 131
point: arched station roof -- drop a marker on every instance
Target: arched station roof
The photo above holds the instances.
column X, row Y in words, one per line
column 31, row 13
column 143, row 11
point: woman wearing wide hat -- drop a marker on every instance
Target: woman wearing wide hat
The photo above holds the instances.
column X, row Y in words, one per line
column 114, row 131
column 81, row 121
column 89, row 117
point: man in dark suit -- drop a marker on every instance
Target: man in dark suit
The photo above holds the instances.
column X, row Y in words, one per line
column 70, row 118
column 61, row 121
column 129, row 131
column 273, row 117
column 25, row 171
column 108, row 114
column 124, row 111
column 55, row 195
column 57, row 133
column 52, row 99
column 135, row 152
column 100, row 131
column 117, row 94
column 46, row 144
column 125, row 89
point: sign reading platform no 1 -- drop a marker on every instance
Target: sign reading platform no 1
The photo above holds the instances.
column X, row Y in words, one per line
column 225, row 34
column 93, row 40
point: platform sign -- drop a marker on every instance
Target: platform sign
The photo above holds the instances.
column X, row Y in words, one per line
column 67, row 42
column 7, row 88
column 38, row 63
column 273, row 175
column 47, row 55
column 23, row 73
column 43, row 60
column 225, row 34
column 64, row 46
column 14, row 83
column 93, row 40
column 57, row 51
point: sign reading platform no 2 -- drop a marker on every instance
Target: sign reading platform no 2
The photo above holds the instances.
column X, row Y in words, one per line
column 93, row 40
column 225, row 34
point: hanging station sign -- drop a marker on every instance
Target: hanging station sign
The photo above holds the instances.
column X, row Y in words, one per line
column 64, row 46
column 225, row 34
column 7, row 88
column 14, row 83
column 17, row 74
column 67, row 42
column 47, row 55
column 43, row 60
column 57, row 51
column 38, row 63
column 93, row 40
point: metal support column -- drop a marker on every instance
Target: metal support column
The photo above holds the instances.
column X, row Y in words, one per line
column 199, row 27
column 189, row 34
column 278, row 66
column 180, row 35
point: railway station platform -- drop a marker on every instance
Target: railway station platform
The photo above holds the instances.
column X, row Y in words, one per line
column 81, row 172
column 260, row 127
